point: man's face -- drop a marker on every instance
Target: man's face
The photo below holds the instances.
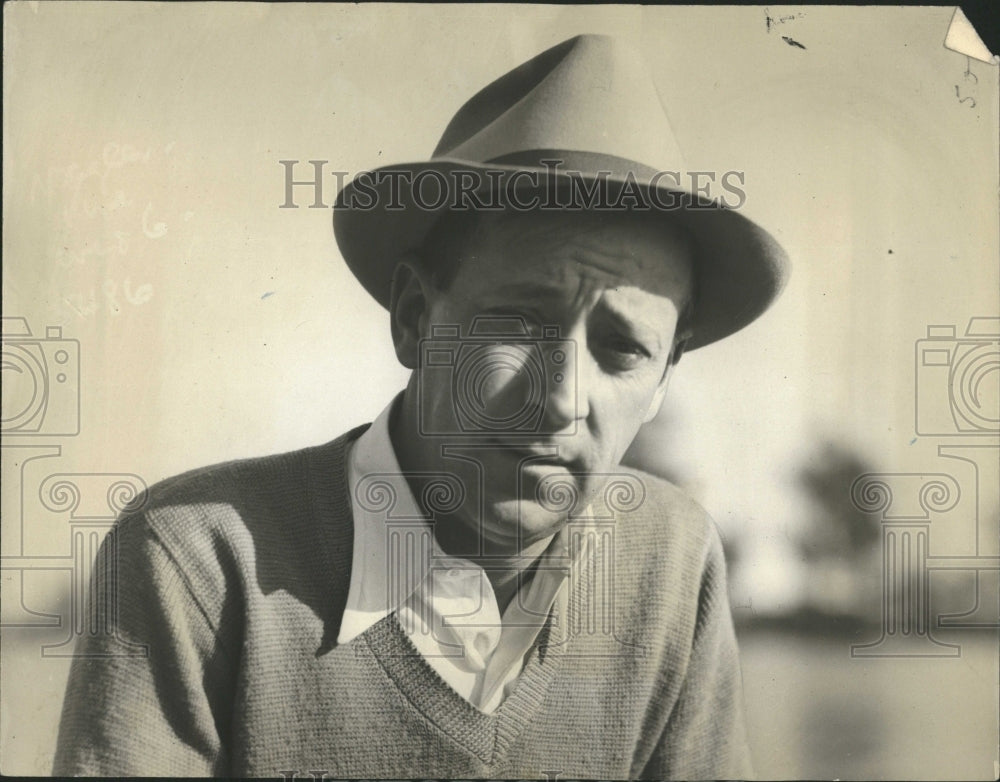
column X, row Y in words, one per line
column 600, row 302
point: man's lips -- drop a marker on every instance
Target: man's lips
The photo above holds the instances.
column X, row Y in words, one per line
column 550, row 454
column 544, row 473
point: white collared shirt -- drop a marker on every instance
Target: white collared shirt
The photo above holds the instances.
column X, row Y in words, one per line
column 446, row 605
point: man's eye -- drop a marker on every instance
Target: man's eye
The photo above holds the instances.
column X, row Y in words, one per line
column 629, row 348
column 621, row 352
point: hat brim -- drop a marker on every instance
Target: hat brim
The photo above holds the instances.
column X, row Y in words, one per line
column 741, row 268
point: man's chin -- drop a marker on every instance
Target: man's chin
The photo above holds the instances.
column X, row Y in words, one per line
column 516, row 524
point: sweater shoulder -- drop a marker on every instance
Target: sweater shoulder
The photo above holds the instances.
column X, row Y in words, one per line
column 221, row 499
column 666, row 545
column 664, row 516
column 263, row 487
column 248, row 528
column 229, row 479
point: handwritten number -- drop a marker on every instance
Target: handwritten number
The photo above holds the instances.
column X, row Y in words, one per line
column 972, row 100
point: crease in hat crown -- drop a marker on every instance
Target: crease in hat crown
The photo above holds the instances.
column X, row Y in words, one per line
column 591, row 104
column 590, row 93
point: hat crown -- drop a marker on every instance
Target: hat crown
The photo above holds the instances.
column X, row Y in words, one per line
column 590, row 93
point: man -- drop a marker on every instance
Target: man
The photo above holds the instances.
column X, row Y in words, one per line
column 471, row 586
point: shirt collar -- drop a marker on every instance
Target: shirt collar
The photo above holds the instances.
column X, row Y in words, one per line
column 378, row 493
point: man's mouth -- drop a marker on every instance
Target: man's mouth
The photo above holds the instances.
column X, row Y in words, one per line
column 538, row 453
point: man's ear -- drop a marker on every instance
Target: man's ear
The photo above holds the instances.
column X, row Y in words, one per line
column 408, row 310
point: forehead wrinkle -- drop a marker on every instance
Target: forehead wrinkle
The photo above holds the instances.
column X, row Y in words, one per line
column 572, row 261
column 588, row 293
column 575, row 284
column 564, row 236
column 584, row 293
column 605, row 253
column 579, row 295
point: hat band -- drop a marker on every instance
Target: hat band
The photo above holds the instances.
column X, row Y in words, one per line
column 571, row 161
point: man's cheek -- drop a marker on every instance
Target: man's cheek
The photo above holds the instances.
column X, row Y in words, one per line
column 613, row 440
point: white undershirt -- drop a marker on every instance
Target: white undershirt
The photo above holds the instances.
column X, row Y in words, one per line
column 446, row 605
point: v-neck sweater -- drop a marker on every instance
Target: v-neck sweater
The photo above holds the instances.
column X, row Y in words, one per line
column 216, row 604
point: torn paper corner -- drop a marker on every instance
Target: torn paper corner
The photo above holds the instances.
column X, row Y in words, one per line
column 963, row 38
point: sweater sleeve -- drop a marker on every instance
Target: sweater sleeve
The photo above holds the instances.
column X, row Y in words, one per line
column 147, row 689
column 705, row 735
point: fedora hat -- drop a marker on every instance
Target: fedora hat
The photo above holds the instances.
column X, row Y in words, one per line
column 578, row 126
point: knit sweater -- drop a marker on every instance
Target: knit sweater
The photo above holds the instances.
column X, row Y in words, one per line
column 215, row 612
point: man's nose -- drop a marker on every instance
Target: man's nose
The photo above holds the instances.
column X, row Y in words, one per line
column 565, row 400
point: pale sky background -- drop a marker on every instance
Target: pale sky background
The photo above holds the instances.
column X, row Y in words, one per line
column 142, row 186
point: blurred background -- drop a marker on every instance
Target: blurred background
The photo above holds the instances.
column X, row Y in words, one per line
column 169, row 313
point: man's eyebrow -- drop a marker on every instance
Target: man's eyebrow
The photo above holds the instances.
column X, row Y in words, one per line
column 518, row 291
column 628, row 322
